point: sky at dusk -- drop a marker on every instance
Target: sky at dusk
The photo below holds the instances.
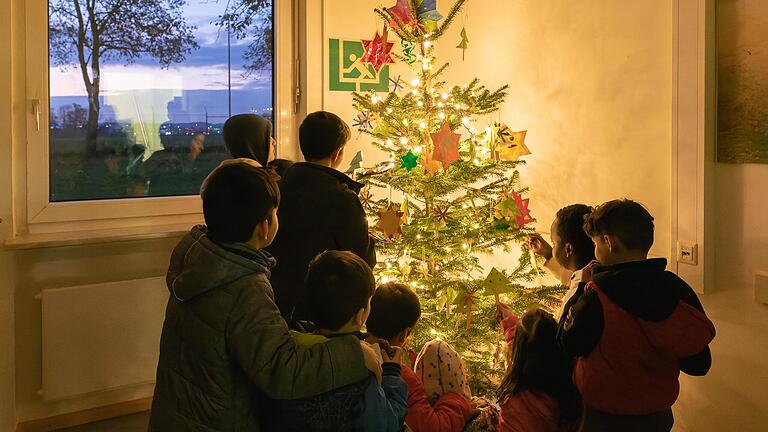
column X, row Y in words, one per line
column 202, row 77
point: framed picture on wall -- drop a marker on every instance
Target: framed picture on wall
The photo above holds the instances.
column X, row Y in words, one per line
column 742, row 44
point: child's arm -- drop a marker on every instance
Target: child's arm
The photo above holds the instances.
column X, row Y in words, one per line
column 700, row 363
column 582, row 324
column 386, row 406
column 258, row 339
column 351, row 231
column 450, row 413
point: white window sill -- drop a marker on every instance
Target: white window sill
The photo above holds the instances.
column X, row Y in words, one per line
column 81, row 238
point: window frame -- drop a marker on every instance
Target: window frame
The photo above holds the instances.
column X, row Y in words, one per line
column 40, row 215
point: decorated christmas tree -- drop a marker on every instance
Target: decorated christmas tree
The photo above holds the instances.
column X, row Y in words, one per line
column 449, row 193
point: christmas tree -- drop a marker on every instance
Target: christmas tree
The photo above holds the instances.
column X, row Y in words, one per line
column 448, row 194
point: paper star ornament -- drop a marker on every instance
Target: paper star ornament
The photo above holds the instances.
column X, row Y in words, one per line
column 427, row 10
column 512, row 144
column 397, row 84
column 524, row 216
column 377, row 51
column 364, row 121
column 442, row 214
column 409, row 160
column 366, row 197
column 403, row 13
column 446, row 146
column 390, row 222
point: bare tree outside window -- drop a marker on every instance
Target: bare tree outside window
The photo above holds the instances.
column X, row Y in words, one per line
column 252, row 19
column 89, row 32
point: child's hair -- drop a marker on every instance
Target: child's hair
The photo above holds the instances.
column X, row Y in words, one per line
column 628, row 220
column 321, row 133
column 338, row 284
column 280, row 166
column 540, row 366
column 248, row 136
column 570, row 229
column 237, row 196
column 394, row 308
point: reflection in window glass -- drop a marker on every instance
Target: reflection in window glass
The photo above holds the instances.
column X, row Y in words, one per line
column 140, row 90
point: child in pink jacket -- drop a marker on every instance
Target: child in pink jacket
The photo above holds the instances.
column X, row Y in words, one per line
column 537, row 393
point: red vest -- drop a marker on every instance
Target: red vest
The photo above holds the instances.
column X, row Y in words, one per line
column 634, row 368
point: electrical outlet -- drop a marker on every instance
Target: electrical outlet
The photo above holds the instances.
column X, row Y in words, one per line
column 761, row 288
column 687, row 252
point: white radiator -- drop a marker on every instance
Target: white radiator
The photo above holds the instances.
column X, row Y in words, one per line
column 101, row 337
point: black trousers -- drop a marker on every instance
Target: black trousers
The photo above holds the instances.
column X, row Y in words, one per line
column 599, row 421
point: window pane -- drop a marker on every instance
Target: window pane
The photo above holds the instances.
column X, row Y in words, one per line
column 140, row 90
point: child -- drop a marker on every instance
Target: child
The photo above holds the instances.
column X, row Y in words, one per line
column 320, row 211
column 635, row 327
column 249, row 136
column 224, row 345
column 537, row 394
column 571, row 249
column 340, row 285
column 395, row 309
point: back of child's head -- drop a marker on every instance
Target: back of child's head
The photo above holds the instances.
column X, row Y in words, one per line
column 237, row 196
column 320, row 134
column 540, row 366
column 280, row 166
column 627, row 220
column 338, row 285
column 570, row 229
column 394, row 308
column 248, row 136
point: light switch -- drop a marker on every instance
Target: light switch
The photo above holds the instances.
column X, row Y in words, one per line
column 687, row 252
column 761, row 288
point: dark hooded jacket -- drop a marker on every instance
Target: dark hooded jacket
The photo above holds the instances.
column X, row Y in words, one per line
column 319, row 211
column 248, row 136
column 633, row 329
column 225, row 348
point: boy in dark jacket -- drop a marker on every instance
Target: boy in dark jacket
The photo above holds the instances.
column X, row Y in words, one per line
column 320, row 211
column 634, row 327
column 395, row 310
column 224, row 346
column 340, row 285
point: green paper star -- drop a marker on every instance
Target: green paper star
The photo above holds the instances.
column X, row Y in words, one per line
column 496, row 283
column 409, row 160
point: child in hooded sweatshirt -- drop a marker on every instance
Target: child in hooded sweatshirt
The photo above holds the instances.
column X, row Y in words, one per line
column 395, row 310
column 340, row 285
column 537, row 393
column 634, row 328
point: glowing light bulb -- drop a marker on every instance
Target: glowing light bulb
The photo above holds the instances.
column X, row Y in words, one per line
column 418, row 149
column 427, row 44
column 403, row 140
column 433, row 332
column 465, row 120
column 441, row 115
column 464, row 246
column 444, row 96
column 440, row 104
column 414, row 284
column 420, row 104
column 418, row 236
column 389, row 110
column 415, row 82
column 390, row 142
column 422, row 125
column 414, row 92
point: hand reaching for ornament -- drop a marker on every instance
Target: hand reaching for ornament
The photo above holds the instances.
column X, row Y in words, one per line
column 503, row 311
column 586, row 272
column 539, row 246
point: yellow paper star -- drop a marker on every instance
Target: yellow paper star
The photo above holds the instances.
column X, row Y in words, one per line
column 513, row 146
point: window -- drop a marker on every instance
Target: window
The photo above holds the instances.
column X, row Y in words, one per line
column 164, row 88
column 138, row 92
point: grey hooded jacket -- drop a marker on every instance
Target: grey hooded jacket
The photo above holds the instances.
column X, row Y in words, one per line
column 225, row 347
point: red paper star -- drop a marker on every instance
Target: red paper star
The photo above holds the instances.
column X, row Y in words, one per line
column 402, row 11
column 446, row 146
column 376, row 51
column 525, row 214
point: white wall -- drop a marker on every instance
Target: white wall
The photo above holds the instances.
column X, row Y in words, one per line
column 590, row 81
column 733, row 396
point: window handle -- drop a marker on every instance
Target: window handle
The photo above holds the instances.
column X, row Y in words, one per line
column 36, row 112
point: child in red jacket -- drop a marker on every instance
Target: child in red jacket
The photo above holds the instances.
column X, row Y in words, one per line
column 395, row 309
column 537, row 394
column 632, row 327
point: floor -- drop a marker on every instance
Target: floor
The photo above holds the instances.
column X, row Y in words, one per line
column 130, row 423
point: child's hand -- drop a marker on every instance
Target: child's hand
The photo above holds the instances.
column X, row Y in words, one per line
column 371, row 360
column 586, row 272
column 503, row 311
column 392, row 355
column 539, row 246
